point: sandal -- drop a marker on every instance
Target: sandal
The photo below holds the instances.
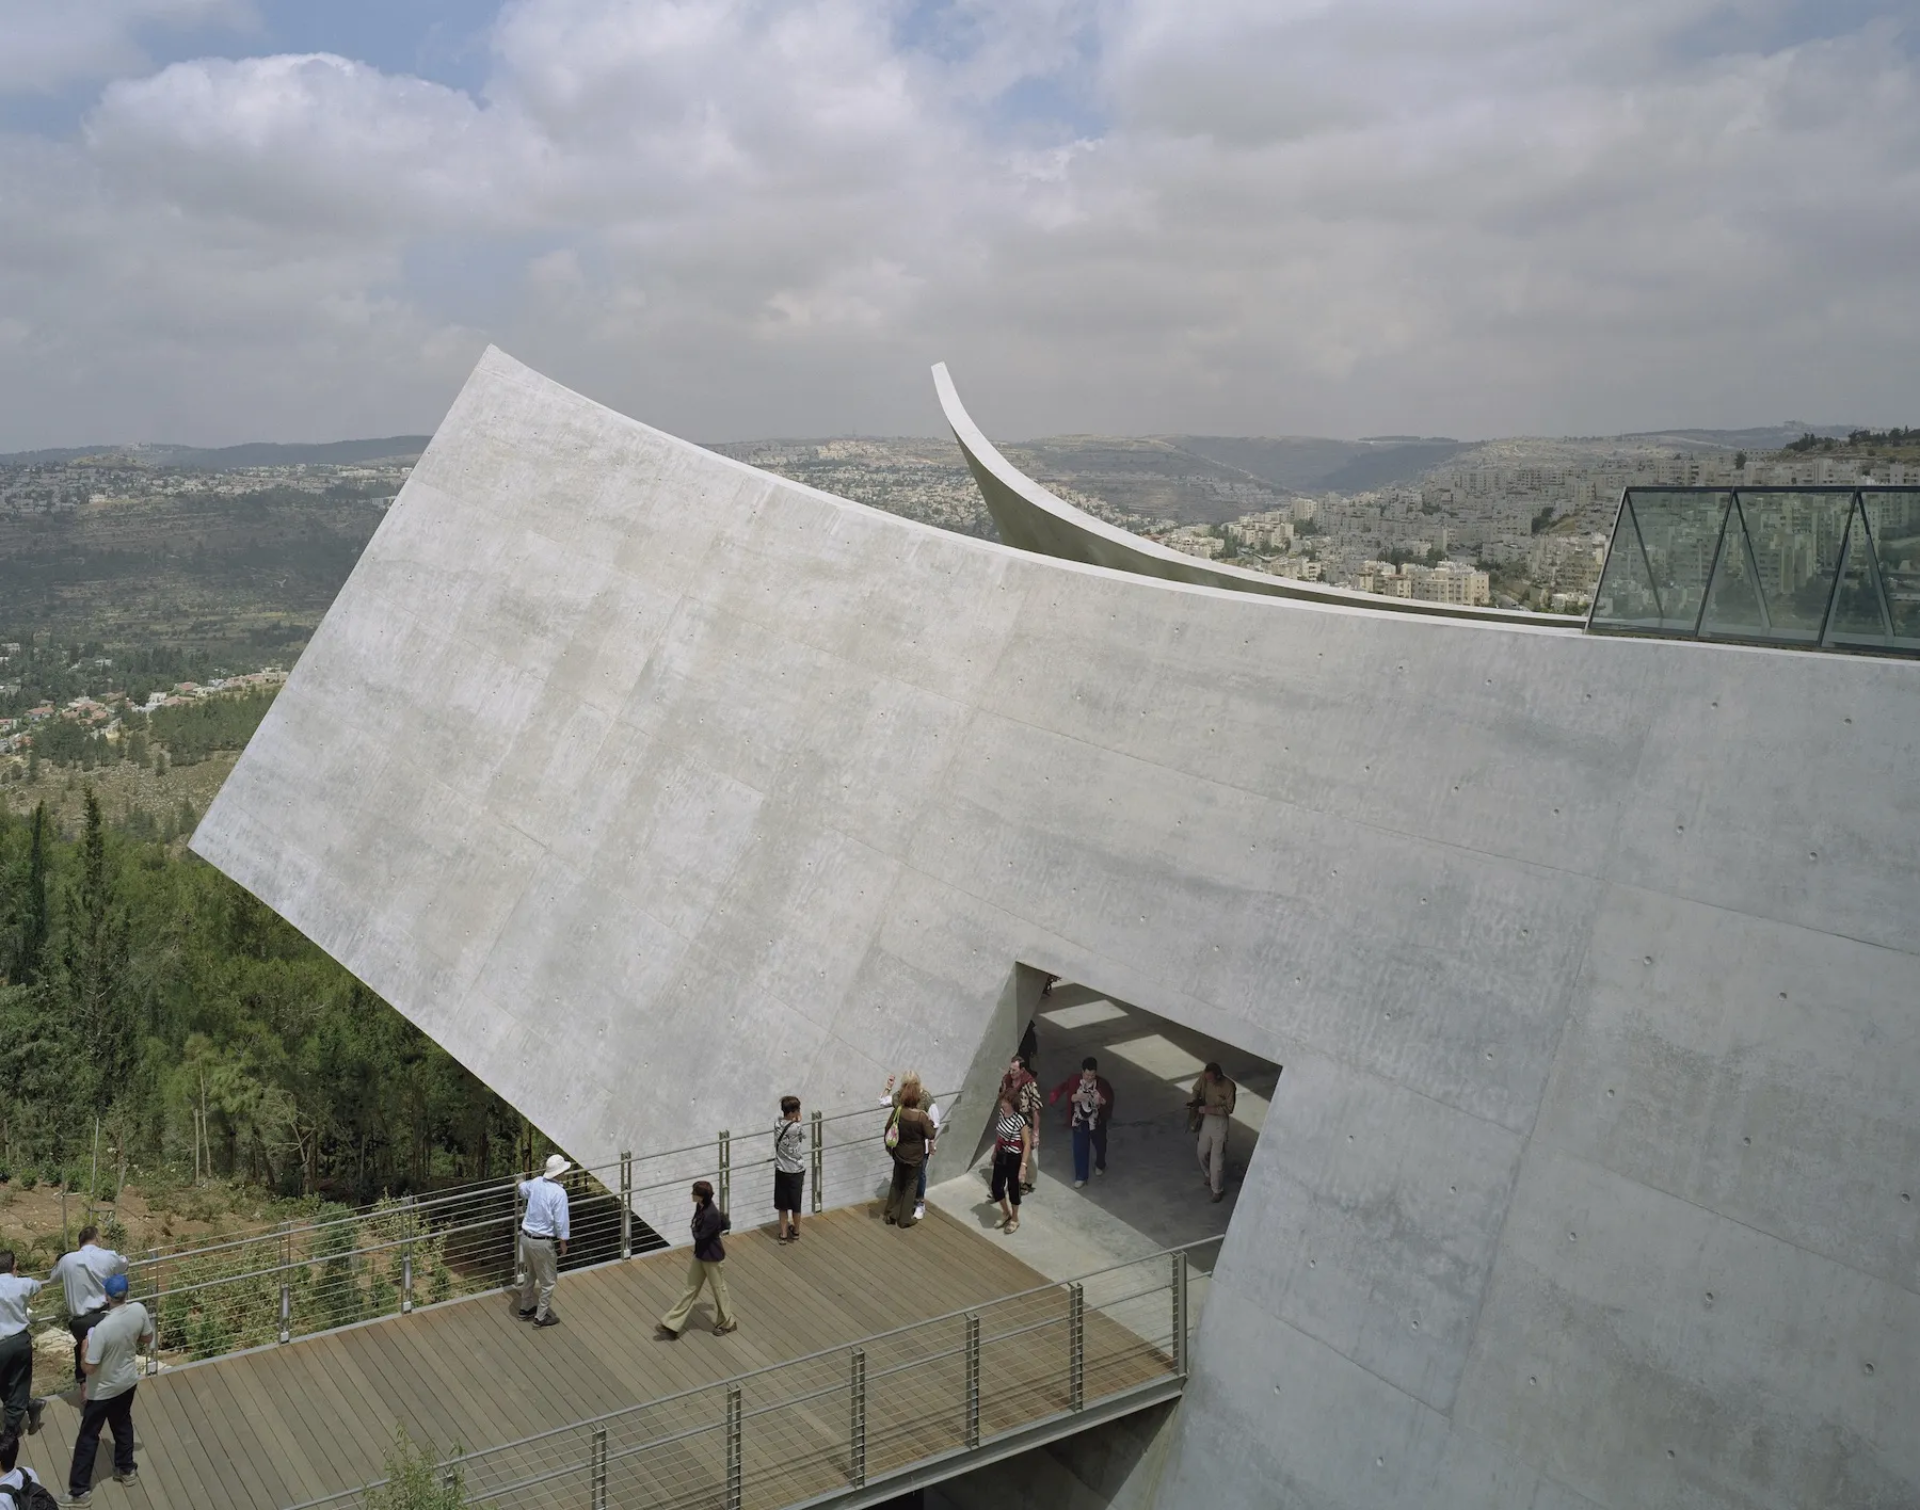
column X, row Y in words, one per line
column 1012, row 1227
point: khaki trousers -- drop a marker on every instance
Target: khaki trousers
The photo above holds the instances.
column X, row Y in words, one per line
column 701, row 1273
column 1213, row 1151
column 542, row 1271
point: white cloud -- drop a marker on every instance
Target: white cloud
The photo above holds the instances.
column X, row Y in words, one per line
column 50, row 43
column 741, row 216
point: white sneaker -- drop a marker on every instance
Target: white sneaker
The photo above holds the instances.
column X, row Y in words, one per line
column 1078, row 1183
column 920, row 1212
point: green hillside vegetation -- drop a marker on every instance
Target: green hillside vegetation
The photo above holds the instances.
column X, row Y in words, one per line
column 1896, row 444
column 141, row 988
column 189, row 581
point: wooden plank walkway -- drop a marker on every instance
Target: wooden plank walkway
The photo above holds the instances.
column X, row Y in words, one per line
column 287, row 1424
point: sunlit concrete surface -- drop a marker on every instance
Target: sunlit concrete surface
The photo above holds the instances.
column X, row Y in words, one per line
column 654, row 786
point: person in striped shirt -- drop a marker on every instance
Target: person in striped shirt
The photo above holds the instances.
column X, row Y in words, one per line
column 1009, row 1141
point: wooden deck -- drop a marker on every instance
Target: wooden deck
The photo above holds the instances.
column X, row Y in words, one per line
column 282, row 1425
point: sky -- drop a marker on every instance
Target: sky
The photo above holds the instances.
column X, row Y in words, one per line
column 231, row 220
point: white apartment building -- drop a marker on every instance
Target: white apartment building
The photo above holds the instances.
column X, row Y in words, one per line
column 1449, row 582
column 1192, row 540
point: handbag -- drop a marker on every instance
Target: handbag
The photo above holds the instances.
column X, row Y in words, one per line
column 893, row 1130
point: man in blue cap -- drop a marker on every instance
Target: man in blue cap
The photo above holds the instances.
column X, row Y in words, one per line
column 112, row 1368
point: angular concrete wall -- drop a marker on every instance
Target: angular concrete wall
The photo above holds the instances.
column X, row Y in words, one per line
column 654, row 786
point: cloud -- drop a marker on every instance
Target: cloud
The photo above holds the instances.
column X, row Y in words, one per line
column 51, row 43
column 738, row 217
column 314, row 142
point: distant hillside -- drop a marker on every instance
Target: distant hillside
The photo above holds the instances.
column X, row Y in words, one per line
column 226, row 458
column 238, row 576
column 1387, row 465
column 1151, row 477
column 1310, row 464
column 1762, row 438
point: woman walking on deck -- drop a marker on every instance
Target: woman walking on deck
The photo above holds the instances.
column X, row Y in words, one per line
column 708, row 1267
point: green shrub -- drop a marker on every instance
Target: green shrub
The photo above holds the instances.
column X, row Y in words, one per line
column 416, row 1481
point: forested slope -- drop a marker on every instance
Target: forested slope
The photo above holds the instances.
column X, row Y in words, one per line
column 140, row 987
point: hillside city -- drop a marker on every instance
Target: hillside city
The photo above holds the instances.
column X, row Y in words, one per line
column 1519, row 524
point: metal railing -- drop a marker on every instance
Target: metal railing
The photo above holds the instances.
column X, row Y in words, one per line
column 880, row 1408
column 272, row 1284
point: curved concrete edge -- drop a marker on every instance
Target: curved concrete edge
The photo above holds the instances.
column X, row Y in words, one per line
column 1030, row 518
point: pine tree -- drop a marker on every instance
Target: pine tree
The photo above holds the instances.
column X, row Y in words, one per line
column 31, row 920
column 95, row 959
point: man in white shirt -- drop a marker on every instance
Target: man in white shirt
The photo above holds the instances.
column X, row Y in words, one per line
column 113, row 1373
column 83, row 1274
column 543, row 1229
column 16, row 1349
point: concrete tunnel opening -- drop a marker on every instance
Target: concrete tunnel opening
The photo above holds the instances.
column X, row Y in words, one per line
column 1154, row 1195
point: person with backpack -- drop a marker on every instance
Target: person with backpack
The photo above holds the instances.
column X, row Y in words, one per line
column 710, row 1223
column 16, row 1349
column 20, row 1487
column 82, row 1275
column 113, row 1373
column 789, row 1168
column 910, row 1137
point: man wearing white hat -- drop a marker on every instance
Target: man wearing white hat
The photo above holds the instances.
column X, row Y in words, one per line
column 543, row 1230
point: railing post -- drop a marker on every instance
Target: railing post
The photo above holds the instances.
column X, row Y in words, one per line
column 1179, row 1289
column 726, row 1170
column 159, row 1287
column 450, row 1475
column 819, row 1160
column 599, row 1468
column 406, row 1260
column 735, row 1475
column 286, row 1286
column 1076, row 1347
column 973, row 1379
column 857, row 1431
column 519, row 1258
column 626, row 1205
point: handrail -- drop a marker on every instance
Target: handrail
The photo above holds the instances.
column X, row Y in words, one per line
column 451, row 1193
column 596, row 1425
column 342, row 1274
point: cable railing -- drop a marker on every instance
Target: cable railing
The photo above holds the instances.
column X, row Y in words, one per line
column 881, row 1408
column 273, row 1284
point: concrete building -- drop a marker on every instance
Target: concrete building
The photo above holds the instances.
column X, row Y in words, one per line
column 651, row 785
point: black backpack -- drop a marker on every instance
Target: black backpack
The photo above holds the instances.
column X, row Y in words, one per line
column 36, row 1495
